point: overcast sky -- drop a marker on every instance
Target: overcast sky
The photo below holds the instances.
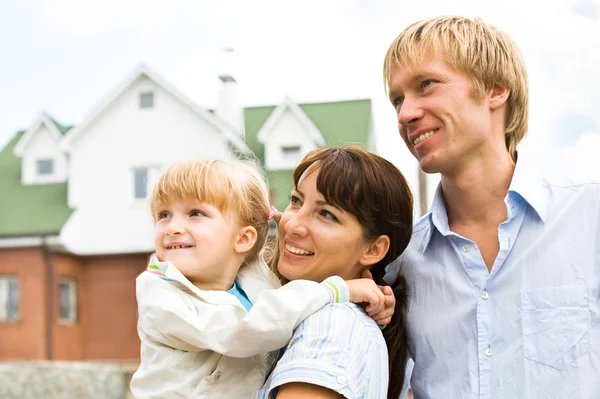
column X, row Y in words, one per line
column 66, row 56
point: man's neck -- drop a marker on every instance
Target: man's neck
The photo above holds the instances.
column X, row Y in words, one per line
column 474, row 193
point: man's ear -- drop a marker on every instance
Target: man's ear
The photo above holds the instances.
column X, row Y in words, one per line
column 498, row 95
column 375, row 251
column 245, row 240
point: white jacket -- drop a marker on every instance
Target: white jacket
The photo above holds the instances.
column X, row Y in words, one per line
column 204, row 344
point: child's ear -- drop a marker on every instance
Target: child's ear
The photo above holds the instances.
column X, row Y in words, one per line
column 375, row 251
column 245, row 240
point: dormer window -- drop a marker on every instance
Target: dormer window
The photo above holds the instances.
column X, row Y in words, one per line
column 146, row 100
column 290, row 152
column 45, row 167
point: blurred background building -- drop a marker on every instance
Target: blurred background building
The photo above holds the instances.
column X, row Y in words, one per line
column 76, row 228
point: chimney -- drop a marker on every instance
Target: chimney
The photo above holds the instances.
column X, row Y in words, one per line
column 228, row 104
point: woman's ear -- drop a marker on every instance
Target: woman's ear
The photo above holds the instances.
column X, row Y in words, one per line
column 375, row 251
column 245, row 240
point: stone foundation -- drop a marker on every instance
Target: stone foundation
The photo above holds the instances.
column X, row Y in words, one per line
column 64, row 380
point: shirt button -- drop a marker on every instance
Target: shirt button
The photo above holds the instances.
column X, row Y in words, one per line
column 485, row 295
column 466, row 248
column 341, row 380
column 488, row 351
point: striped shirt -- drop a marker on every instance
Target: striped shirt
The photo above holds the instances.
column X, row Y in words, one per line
column 339, row 347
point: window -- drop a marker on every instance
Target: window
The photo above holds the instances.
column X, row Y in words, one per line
column 9, row 298
column 146, row 100
column 140, row 183
column 45, row 166
column 67, row 299
column 291, row 152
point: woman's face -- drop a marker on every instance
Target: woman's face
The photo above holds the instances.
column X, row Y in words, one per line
column 316, row 239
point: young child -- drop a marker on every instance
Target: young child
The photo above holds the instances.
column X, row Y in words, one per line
column 209, row 313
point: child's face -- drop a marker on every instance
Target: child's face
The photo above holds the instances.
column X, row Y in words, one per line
column 200, row 241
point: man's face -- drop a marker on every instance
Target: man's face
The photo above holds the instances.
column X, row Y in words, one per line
column 439, row 121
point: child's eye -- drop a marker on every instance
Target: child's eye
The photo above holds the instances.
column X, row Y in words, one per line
column 196, row 212
column 163, row 215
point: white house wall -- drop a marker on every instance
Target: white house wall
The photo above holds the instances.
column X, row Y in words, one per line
column 106, row 218
column 288, row 131
column 125, row 137
column 43, row 145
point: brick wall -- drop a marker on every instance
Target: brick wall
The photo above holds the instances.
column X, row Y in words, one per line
column 25, row 338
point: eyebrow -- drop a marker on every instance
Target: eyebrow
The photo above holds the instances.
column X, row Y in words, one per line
column 320, row 202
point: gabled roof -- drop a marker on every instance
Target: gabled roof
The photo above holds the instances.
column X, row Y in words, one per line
column 42, row 209
column 306, row 122
column 32, row 209
column 340, row 123
column 56, row 129
column 230, row 134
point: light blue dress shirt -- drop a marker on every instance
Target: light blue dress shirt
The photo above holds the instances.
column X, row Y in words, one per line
column 530, row 328
column 338, row 347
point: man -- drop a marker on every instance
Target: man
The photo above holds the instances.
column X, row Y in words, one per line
column 504, row 271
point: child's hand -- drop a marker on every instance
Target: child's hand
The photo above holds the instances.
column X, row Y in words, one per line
column 365, row 290
column 384, row 317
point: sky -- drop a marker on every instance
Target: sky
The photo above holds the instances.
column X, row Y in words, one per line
column 64, row 57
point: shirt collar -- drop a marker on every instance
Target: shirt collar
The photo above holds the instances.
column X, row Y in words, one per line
column 167, row 271
column 527, row 182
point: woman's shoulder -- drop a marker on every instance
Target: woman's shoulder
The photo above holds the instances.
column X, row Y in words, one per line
column 343, row 315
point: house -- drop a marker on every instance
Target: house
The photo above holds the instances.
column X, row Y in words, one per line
column 75, row 229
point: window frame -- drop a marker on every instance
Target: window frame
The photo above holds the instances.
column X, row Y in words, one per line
column 8, row 316
column 146, row 176
column 146, row 100
column 44, row 161
column 72, row 315
column 290, row 151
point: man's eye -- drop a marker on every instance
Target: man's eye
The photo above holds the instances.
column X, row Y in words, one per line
column 426, row 83
column 163, row 215
column 196, row 212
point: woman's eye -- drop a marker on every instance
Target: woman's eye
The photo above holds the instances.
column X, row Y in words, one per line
column 294, row 200
column 328, row 215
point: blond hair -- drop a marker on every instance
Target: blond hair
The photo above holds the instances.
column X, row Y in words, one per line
column 235, row 186
column 485, row 53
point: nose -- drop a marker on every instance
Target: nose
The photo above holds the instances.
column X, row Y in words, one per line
column 295, row 223
column 409, row 112
column 175, row 227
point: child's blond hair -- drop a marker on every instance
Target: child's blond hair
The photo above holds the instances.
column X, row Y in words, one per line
column 236, row 186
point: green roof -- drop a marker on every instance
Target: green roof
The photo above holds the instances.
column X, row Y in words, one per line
column 341, row 123
column 42, row 209
column 32, row 209
column 61, row 128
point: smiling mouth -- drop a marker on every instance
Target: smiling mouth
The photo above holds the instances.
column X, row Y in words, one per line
column 178, row 246
column 425, row 136
column 298, row 251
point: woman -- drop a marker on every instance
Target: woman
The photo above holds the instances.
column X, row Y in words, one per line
column 350, row 211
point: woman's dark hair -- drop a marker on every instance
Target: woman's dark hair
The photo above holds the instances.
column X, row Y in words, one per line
column 373, row 190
